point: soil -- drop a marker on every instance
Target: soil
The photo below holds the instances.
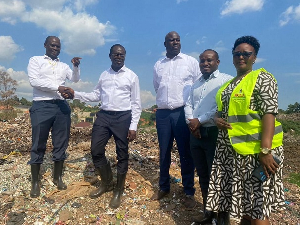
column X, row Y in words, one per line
column 73, row 206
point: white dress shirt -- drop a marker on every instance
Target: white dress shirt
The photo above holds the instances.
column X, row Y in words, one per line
column 46, row 75
column 117, row 91
column 201, row 103
column 172, row 80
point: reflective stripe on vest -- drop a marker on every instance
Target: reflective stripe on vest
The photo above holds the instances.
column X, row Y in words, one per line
column 245, row 135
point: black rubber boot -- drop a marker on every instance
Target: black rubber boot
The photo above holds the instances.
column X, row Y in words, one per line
column 118, row 191
column 35, row 186
column 57, row 175
column 223, row 218
column 106, row 181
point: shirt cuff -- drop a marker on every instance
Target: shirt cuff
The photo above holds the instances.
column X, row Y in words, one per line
column 133, row 127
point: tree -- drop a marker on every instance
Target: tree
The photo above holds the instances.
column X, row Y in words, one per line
column 7, row 89
column 77, row 104
column 25, row 102
column 295, row 108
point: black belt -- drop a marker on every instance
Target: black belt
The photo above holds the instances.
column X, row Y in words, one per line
column 53, row 101
column 114, row 112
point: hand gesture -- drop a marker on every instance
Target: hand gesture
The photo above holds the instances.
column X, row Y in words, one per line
column 131, row 135
column 66, row 92
column 222, row 124
column 268, row 163
column 76, row 61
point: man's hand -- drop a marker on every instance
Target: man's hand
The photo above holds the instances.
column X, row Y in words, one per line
column 66, row 92
column 222, row 124
column 131, row 135
column 194, row 124
column 196, row 133
column 76, row 61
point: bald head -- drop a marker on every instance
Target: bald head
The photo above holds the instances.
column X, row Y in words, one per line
column 172, row 44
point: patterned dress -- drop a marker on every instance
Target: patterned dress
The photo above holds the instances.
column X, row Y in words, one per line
column 232, row 187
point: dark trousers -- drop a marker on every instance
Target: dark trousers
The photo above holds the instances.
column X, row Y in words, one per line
column 203, row 152
column 171, row 124
column 110, row 123
column 45, row 115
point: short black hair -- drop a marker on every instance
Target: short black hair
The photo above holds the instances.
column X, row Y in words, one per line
column 47, row 39
column 116, row 45
column 250, row 40
column 217, row 55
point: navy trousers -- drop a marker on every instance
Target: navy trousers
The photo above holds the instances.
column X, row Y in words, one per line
column 171, row 124
column 110, row 123
column 203, row 152
column 49, row 115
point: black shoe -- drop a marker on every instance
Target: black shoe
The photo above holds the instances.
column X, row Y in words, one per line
column 223, row 218
column 35, row 186
column 57, row 175
column 118, row 191
column 159, row 195
column 106, row 181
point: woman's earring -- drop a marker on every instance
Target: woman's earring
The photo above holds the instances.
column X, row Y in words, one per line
column 253, row 62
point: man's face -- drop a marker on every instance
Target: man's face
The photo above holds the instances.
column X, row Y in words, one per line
column 208, row 63
column 117, row 57
column 172, row 44
column 52, row 47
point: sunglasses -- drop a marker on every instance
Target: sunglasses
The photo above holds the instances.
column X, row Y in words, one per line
column 244, row 54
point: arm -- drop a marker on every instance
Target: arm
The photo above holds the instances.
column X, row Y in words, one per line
column 136, row 108
column 155, row 83
column 36, row 80
column 74, row 75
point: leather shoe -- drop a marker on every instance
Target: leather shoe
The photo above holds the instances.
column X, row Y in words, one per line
column 189, row 202
column 159, row 195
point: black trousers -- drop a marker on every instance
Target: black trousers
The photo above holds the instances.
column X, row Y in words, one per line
column 49, row 115
column 107, row 124
column 203, row 152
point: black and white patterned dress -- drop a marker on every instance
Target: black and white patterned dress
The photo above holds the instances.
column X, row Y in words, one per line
column 232, row 187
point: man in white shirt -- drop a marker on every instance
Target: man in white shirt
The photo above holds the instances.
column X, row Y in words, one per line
column 200, row 110
column 119, row 92
column 172, row 79
column 49, row 111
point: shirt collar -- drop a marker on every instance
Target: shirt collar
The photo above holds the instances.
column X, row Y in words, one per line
column 123, row 69
column 213, row 75
column 47, row 57
column 180, row 55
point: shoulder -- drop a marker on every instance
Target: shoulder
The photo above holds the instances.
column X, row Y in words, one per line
column 226, row 76
column 130, row 72
column 159, row 61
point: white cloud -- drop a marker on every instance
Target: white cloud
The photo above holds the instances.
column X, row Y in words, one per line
column 8, row 48
column 200, row 41
column 290, row 14
column 219, row 47
column 10, row 10
column 194, row 54
column 259, row 60
column 239, row 7
column 179, row 1
column 147, row 99
column 80, row 32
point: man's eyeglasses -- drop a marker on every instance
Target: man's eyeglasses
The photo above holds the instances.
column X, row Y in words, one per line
column 244, row 54
column 118, row 55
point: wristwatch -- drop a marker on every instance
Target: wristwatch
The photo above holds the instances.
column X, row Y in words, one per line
column 265, row 151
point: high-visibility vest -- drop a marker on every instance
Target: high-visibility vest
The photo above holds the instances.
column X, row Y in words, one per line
column 245, row 136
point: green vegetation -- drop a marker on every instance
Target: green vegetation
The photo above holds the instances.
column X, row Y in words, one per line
column 288, row 125
column 147, row 119
column 294, row 178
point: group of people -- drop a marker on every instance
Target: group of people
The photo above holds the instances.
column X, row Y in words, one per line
column 224, row 126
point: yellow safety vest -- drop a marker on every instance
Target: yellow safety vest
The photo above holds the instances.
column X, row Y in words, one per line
column 245, row 136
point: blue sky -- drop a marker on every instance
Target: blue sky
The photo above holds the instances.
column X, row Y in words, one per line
column 88, row 28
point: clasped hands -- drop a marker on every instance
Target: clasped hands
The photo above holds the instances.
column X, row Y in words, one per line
column 66, row 92
column 194, row 126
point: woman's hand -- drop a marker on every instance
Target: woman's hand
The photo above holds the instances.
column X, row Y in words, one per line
column 268, row 163
column 222, row 124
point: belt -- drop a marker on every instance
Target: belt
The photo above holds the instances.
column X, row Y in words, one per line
column 53, row 101
column 114, row 112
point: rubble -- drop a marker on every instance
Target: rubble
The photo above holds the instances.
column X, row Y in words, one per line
column 73, row 206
